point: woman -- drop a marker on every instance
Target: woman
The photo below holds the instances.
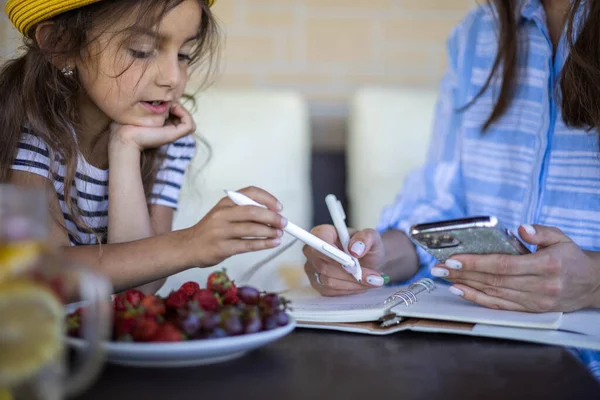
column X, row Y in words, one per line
column 516, row 136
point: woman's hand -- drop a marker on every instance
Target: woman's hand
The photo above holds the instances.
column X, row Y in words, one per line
column 229, row 229
column 328, row 277
column 558, row 277
column 141, row 137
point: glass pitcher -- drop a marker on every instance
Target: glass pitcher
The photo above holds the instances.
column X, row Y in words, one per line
column 36, row 285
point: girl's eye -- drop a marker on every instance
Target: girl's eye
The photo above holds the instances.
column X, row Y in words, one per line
column 185, row 58
column 140, row 54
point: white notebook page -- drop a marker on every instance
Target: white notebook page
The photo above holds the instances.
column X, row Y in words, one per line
column 308, row 305
column 441, row 304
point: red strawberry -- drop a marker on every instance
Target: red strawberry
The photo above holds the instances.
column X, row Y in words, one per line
column 219, row 282
column 207, row 300
column 153, row 305
column 134, row 297
column 230, row 296
column 124, row 325
column 168, row 333
column 190, row 289
column 131, row 298
column 119, row 304
column 145, row 329
column 176, row 300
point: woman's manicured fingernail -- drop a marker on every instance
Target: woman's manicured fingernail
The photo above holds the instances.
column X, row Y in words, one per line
column 439, row 272
column 279, row 233
column 386, row 279
column 284, row 222
column 456, row 291
column 358, row 248
column 529, row 229
column 453, row 264
column 375, row 280
column 279, row 206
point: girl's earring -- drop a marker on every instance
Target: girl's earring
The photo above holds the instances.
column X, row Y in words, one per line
column 67, row 71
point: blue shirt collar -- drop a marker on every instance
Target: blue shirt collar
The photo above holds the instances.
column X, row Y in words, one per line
column 532, row 10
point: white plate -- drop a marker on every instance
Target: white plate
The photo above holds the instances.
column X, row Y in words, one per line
column 188, row 353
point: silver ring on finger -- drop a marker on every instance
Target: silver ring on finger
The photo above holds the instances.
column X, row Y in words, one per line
column 318, row 278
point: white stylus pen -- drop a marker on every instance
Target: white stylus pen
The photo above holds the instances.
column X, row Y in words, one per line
column 299, row 233
column 338, row 217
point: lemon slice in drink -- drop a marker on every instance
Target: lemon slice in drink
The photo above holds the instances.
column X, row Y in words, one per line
column 31, row 330
column 15, row 257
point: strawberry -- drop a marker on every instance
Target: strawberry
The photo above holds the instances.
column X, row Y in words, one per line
column 153, row 305
column 124, row 322
column 145, row 329
column 190, row 289
column 206, row 300
column 230, row 296
column 167, row 332
column 176, row 300
column 131, row 298
column 119, row 304
column 134, row 297
column 219, row 282
column 124, row 325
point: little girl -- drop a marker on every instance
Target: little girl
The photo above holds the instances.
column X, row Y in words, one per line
column 91, row 110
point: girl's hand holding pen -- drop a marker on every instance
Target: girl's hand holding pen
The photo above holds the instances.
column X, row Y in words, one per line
column 228, row 229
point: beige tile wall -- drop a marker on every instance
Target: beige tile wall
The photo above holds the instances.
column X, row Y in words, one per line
column 327, row 48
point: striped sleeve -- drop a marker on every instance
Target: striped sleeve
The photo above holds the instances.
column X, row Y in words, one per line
column 33, row 156
column 169, row 178
column 434, row 191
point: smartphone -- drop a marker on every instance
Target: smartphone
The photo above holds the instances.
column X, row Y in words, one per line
column 476, row 235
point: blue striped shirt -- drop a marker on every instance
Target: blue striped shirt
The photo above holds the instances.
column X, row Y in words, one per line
column 89, row 192
column 529, row 167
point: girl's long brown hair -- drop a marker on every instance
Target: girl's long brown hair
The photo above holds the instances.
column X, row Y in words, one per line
column 37, row 95
column 580, row 76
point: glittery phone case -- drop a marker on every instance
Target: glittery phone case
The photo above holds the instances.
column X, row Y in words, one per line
column 476, row 235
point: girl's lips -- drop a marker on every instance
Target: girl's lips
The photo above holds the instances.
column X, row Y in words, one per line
column 161, row 108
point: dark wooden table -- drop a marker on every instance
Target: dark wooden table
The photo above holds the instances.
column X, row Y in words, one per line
column 330, row 365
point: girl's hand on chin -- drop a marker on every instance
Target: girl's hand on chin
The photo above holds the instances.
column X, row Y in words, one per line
column 152, row 137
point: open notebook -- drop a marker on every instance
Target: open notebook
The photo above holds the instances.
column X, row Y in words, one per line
column 432, row 308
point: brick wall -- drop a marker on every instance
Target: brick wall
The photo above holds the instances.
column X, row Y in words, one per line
column 328, row 48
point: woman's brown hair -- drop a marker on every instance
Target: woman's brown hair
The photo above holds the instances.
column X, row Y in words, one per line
column 38, row 96
column 580, row 76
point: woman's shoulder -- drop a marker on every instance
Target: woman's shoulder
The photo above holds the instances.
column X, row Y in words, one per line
column 481, row 20
column 482, row 16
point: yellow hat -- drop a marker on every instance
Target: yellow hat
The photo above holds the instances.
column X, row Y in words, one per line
column 25, row 14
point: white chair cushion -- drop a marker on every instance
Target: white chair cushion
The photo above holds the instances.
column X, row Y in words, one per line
column 257, row 138
column 389, row 132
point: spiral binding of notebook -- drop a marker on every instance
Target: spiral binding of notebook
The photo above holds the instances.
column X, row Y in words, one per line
column 409, row 295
